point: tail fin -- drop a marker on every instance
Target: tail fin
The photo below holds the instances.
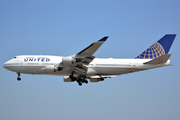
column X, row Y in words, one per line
column 159, row 48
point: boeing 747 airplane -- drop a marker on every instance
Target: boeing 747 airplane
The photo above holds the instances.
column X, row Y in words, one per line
column 84, row 65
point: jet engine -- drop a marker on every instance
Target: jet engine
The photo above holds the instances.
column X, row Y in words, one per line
column 52, row 68
column 70, row 60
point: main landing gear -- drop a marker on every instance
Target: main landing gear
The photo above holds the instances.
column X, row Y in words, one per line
column 79, row 80
column 18, row 78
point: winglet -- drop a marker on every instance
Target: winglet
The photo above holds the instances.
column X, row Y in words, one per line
column 104, row 38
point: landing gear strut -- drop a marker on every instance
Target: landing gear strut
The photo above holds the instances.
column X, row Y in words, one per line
column 18, row 78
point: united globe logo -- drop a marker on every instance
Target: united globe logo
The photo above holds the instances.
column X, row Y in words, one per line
column 152, row 52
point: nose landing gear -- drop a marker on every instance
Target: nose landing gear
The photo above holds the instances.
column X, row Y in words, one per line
column 18, row 78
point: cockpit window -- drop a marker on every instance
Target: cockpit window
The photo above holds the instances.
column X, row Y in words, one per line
column 15, row 57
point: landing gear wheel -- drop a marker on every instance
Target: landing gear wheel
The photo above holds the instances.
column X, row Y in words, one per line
column 19, row 79
column 80, row 79
column 79, row 83
column 86, row 82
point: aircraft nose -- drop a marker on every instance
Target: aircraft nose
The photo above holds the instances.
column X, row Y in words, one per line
column 9, row 65
column 5, row 65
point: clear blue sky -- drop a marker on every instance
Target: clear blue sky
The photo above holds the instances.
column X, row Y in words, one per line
column 65, row 28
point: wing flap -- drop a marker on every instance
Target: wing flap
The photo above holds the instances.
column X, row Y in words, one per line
column 160, row 60
column 102, row 76
column 98, row 78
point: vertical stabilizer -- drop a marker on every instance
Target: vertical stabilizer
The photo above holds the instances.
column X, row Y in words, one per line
column 159, row 48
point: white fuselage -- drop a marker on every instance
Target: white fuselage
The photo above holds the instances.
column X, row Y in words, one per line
column 45, row 64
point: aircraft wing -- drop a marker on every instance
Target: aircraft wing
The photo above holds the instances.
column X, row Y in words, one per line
column 98, row 78
column 91, row 49
column 78, row 62
column 86, row 55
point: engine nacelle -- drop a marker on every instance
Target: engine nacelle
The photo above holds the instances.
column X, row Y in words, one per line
column 67, row 79
column 70, row 60
column 51, row 68
column 96, row 79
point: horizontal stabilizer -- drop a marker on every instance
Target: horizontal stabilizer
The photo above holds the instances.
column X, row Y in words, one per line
column 160, row 60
